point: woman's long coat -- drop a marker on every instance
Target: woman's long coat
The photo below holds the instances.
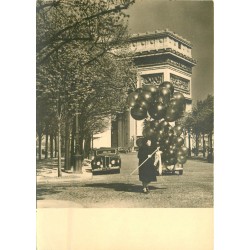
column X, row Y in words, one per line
column 147, row 172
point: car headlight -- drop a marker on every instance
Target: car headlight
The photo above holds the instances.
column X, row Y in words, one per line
column 113, row 162
column 98, row 163
column 118, row 161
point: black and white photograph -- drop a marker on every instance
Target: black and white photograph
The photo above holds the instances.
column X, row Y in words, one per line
column 125, row 107
column 124, row 125
column 124, row 104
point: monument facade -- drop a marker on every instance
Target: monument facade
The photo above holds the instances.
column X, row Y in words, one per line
column 159, row 56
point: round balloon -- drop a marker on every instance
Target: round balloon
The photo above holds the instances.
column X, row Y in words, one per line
column 138, row 112
column 142, row 103
column 170, row 133
column 181, row 159
column 169, row 86
column 179, row 141
column 173, row 137
column 154, row 124
column 166, row 162
column 173, row 147
column 184, row 150
column 159, row 99
column 176, row 104
column 180, row 97
column 150, row 87
column 164, row 94
column 178, row 130
column 161, row 132
column 171, row 114
column 179, row 152
column 164, row 125
column 132, row 97
column 145, row 95
column 166, row 141
column 157, row 138
column 172, row 160
column 156, row 110
column 171, row 152
column 148, row 132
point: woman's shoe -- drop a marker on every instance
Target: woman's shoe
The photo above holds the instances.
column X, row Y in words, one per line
column 145, row 191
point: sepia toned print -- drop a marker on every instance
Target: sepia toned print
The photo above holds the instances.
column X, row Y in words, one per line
column 125, row 114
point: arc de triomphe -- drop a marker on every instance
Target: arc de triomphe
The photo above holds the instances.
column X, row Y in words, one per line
column 159, row 56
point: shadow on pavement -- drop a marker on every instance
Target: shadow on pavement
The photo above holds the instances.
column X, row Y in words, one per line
column 40, row 192
column 121, row 187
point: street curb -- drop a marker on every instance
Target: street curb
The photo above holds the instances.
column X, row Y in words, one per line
column 51, row 176
column 45, row 180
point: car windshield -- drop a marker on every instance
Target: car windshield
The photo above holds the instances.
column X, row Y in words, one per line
column 106, row 151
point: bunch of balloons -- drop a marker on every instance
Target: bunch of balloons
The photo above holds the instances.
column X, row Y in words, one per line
column 169, row 138
column 158, row 106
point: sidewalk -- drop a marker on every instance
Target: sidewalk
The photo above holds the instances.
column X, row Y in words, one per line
column 47, row 172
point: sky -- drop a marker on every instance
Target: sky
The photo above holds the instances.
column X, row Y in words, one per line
column 192, row 20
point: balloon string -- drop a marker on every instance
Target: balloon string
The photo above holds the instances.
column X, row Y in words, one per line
column 144, row 161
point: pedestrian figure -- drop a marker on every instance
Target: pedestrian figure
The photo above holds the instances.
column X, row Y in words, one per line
column 147, row 171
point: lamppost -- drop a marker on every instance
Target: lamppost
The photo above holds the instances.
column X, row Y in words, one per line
column 77, row 157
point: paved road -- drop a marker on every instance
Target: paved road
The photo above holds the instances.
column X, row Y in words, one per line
column 192, row 189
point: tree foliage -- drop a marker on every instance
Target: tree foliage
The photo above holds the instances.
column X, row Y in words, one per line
column 200, row 121
column 83, row 64
column 96, row 26
column 201, row 118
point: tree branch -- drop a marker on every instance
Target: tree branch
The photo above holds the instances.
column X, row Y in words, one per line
column 102, row 13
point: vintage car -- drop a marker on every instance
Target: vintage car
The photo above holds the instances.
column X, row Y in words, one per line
column 105, row 160
column 172, row 169
column 123, row 150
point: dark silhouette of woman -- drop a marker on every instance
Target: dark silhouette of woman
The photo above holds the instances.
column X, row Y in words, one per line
column 147, row 171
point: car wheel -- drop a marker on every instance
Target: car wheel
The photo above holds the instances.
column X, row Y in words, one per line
column 180, row 172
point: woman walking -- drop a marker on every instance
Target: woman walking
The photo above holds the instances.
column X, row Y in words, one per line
column 147, row 171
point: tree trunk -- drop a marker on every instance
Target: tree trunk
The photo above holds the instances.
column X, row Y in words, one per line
column 51, row 145
column 189, row 144
column 211, row 139
column 87, row 146
column 39, row 146
column 59, row 151
column 72, row 147
column 81, row 147
column 46, row 143
column 67, row 147
column 62, row 144
column 56, row 147
column 197, row 144
column 204, row 145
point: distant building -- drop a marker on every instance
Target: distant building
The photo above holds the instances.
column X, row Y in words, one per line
column 159, row 56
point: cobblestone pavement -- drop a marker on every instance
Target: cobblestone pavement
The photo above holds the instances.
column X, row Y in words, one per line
column 192, row 189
